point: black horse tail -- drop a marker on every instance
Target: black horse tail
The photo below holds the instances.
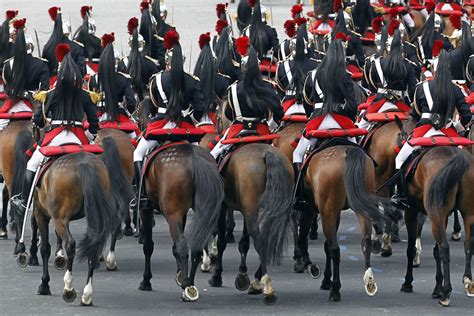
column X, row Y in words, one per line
column 100, row 214
column 207, row 202
column 360, row 200
column 446, row 180
column 274, row 209
column 120, row 188
column 24, row 141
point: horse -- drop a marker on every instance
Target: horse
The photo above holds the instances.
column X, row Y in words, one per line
column 346, row 180
column 180, row 177
column 442, row 182
column 15, row 140
column 74, row 186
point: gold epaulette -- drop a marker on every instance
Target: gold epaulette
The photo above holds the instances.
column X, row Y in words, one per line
column 40, row 96
column 94, row 96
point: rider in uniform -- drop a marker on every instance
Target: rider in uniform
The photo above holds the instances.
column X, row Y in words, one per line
column 6, row 45
column 60, row 35
column 23, row 74
column 86, row 35
column 177, row 101
column 252, row 103
column 115, row 87
column 63, row 107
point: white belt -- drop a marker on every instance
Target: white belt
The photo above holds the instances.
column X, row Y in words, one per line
column 394, row 92
column 58, row 122
column 429, row 98
column 426, row 116
column 161, row 110
column 159, row 85
column 318, row 105
column 289, row 75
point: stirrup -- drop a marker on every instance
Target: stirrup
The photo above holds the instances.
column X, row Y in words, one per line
column 399, row 202
column 17, row 202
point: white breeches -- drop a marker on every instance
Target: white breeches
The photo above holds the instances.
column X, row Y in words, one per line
column 386, row 107
column 407, row 149
column 205, row 120
column 408, row 20
column 19, row 107
column 295, row 109
column 219, row 148
column 424, row 12
column 65, row 137
column 144, row 145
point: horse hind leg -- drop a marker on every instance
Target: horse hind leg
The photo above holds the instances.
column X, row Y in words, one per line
column 216, row 279
column 468, row 250
column 306, row 223
column 242, row 281
column 63, row 233
column 110, row 261
column 33, row 258
column 411, row 221
column 366, row 243
column 456, row 235
column 86, row 298
column 4, row 218
column 45, row 249
column 439, row 234
column 148, row 246
column 59, row 257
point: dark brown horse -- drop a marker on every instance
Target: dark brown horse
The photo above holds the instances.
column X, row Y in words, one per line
column 75, row 186
column 443, row 181
column 179, row 178
column 337, row 178
column 259, row 183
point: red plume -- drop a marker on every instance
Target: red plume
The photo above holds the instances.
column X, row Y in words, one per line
column 19, row 24
column 290, row 28
column 430, row 6
column 455, row 20
column 393, row 13
column 377, row 24
column 108, row 39
column 171, row 39
column 336, row 6
column 220, row 26
column 61, row 51
column 242, row 45
column 53, row 12
column 341, row 36
column 85, row 9
column 132, row 24
column 301, row 21
column 392, row 26
column 220, row 8
column 144, row 5
column 296, row 9
column 10, row 14
column 437, row 46
column 251, row 3
column 204, row 39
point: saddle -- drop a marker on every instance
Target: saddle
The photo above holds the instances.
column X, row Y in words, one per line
column 434, row 141
column 386, row 117
column 17, row 116
column 336, row 132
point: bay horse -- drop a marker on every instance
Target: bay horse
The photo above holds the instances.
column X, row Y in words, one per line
column 181, row 177
column 15, row 140
column 74, row 186
column 442, row 182
column 339, row 177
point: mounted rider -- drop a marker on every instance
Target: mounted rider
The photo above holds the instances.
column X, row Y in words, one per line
column 63, row 108
column 115, row 88
column 60, row 35
column 86, row 35
column 252, row 103
column 6, row 45
column 149, row 30
column 177, row 102
column 23, row 75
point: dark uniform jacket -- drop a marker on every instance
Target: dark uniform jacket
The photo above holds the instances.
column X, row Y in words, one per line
column 37, row 73
column 124, row 91
column 77, row 54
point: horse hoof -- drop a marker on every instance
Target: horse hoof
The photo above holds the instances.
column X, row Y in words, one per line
column 111, row 263
column 456, row 236
column 190, row 294
column 436, row 293
column 313, row 235
column 444, row 303
column 407, row 288
column 59, row 262
column 255, row 288
column 313, row 271
column 468, row 287
column 416, row 262
column 180, row 278
column 86, row 301
column 3, row 234
column 215, row 281
column 335, row 297
column 230, row 238
column 33, row 261
column 325, row 285
column 386, row 252
column 270, row 298
column 376, row 247
column 69, row 296
column 242, row 282
column 22, row 260
column 19, row 248
column 205, row 267
column 128, row 231
column 44, row 290
column 298, row 267
column 145, row 285
column 371, row 288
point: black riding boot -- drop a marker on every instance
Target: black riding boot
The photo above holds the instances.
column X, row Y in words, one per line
column 19, row 201
column 138, row 191
column 299, row 183
column 400, row 198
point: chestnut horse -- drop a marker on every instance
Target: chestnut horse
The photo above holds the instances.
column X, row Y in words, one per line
column 181, row 177
column 75, row 186
column 443, row 181
column 337, row 178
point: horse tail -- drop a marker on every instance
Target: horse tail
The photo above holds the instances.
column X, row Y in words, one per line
column 360, row 200
column 446, row 180
column 100, row 214
column 207, row 202
column 274, row 209
column 23, row 142
column 120, row 187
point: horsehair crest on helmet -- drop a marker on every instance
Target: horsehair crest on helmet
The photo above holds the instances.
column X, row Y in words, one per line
column 132, row 25
column 242, row 44
column 11, row 14
column 290, row 28
column 144, row 5
column 107, row 38
column 19, row 24
column 296, row 10
column 340, row 26
column 107, row 77
column 204, row 39
column 224, row 52
column 19, row 70
column 442, row 93
column 206, row 70
column 57, row 37
column 393, row 26
column 258, row 36
column 361, row 13
column 221, row 8
column 299, row 59
column 53, row 12
column 171, row 39
column 85, row 10
column 393, row 67
column 377, row 24
column 220, row 25
column 135, row 66
column 455, row 19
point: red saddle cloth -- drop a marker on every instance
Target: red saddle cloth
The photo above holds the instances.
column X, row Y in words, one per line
column 386, row 117
column 208, row 129
column 17, row 116
column 337, row 132
column 440, row 141
column 251, row 139
column 185, row 131
column 267, row 67
column 296, row 117
column 3, row 96
column 54, row 151
column 356, row 72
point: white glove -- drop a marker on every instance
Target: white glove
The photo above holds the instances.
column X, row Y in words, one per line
column 90, row 136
